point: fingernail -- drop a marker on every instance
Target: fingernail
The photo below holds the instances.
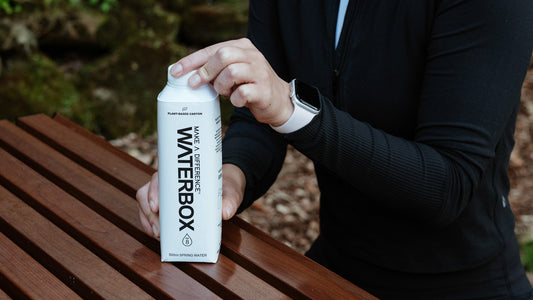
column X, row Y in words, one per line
column 194, row 80
column 176, row 69
column 155, row 230
column 152, row 205
column 227, row 210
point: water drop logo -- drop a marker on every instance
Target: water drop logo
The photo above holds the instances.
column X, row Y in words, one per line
column 187, row 241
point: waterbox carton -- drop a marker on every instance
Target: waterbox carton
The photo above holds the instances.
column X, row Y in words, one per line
column 190, row 171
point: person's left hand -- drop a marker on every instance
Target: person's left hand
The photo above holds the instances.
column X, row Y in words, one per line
column 148, row 202
column 241, row 73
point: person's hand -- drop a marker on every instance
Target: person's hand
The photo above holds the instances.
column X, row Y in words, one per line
column 233, row 184
column 241, row 73
column 148, row 202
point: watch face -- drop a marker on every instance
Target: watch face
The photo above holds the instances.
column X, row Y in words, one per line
column 307, row 94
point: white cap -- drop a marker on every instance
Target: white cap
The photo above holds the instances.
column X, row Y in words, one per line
column 178, row 90
column 180, row 81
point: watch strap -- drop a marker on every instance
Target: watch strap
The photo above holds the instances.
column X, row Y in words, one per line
column 299, row 118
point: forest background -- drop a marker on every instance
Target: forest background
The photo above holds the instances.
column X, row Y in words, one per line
column 101, row 63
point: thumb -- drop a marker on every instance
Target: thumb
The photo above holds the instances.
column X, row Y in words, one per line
column 233, row 183
column 230, row 203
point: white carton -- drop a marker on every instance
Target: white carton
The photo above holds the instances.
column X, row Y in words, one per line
column 190, row 172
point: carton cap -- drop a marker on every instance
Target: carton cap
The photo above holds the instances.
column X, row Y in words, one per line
column 180, row 81
column 178, row 90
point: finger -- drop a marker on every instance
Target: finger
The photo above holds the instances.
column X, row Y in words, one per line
column 199, row 58
column 251, row 81
column 233, row 185
column 231, row 201
column 142, row 199
column 231, row 77
column 155, row 227
column 229, row 205
column 153, row 193
column 149, row 222
column 149, row 218
column 192, row 61
column 242, row 95
column 147, row 227
column 249, row 95
column 224, row 57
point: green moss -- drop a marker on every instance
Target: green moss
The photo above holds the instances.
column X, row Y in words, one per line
column 35, row 85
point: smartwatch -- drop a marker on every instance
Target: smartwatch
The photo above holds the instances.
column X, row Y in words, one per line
column 305, row 96
column 306, row 100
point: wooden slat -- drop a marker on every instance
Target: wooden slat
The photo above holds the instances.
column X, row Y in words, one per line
column 75, row 265
column 100, row 236
column 279, row 268
column 89, row 135
column 261, row 246
column 25, row 277
column 111, row 202
column 259, row 235
column 92, row 190
column 86, row 153
column 3, row 295
column 229, row 274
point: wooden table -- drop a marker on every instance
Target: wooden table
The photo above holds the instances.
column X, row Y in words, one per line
column 70, row 229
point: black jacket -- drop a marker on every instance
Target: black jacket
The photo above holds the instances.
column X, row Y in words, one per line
column 411, row 148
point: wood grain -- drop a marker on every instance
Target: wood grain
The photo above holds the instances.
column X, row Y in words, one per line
column 86, row 152
column 122, row 210
column 128, row 256
column 25, row 277
column 81, row 190
column 75, row 265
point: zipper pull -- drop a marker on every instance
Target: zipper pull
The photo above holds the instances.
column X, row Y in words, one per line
column 335, row 81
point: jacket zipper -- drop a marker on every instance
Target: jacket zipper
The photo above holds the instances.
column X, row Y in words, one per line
column 344, row 40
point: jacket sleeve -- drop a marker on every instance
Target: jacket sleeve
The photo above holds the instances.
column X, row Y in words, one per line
column 254, row 147
column 477, row 57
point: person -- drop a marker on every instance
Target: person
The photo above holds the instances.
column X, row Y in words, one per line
column 410, row 127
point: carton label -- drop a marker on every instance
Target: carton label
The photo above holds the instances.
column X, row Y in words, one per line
column 190, row 181
column 186, row 185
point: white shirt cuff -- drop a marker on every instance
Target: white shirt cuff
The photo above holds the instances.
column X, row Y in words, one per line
column 299, row 118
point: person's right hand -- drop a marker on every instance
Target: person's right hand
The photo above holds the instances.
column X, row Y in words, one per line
column 148, row 202
column 233, row 184
column 241, row 73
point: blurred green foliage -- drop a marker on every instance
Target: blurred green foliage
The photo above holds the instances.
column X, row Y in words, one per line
column 43, row 88
column 103, row 5
column 99, row 64
column 10, row 6
column 526, row 249
column 527, row 256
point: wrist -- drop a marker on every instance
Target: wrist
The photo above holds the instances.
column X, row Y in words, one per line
column 299, row 118
column 305, row 100
column 287, row 107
